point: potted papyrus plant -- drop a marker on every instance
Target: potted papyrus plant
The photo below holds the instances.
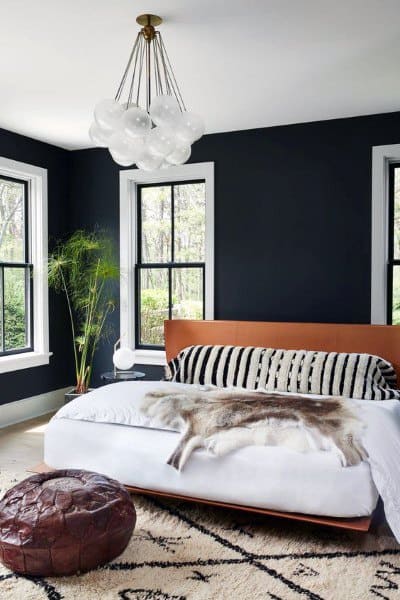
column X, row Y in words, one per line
column 83, row 268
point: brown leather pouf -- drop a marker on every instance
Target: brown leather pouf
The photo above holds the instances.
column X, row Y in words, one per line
column 64, row 522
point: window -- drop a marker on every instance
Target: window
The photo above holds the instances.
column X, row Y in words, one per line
column 167, row 253
column 385, row 255
column 23, row 270
column 15, row 268
column 170, row 257
column 393, row 283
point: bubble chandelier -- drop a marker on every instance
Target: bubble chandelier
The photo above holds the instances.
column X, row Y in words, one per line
column 159, row 135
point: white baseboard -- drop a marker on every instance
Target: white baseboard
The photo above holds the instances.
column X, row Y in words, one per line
column 28, row 408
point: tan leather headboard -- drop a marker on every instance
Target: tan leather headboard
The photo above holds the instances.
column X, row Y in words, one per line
column 382, row 340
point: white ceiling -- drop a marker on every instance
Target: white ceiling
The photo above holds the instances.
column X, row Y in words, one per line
column 240, row 63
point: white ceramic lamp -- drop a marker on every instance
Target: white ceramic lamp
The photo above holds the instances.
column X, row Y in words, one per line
column 123, row 358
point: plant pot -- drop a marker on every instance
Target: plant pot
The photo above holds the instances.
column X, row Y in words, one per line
column 72, row 394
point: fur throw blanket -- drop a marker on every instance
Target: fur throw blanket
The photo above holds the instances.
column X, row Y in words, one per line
column 221, row 421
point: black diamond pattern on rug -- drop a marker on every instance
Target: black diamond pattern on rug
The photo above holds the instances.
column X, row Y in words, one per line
column 183, row 551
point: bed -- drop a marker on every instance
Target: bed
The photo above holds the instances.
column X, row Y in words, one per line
column 270, row 480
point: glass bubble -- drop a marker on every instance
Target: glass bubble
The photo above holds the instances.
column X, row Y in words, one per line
column 126, row 149
column 98, row 135
column 108, row 113
column 119, row 143
column 149, row 162
column 161, row 141
column 136, row 122
column 180, row 155
column 164, row 110
column 121, row 160
column 189, row 128
column 137, row 146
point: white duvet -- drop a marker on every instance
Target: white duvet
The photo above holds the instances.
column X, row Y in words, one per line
column 120, row 404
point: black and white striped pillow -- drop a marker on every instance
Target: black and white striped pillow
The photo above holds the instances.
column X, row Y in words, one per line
column 362, row 376
column 223, row 366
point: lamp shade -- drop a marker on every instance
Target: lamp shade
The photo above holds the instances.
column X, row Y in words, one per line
column 124, row 358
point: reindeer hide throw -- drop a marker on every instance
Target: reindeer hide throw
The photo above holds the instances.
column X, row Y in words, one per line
column 221, row 421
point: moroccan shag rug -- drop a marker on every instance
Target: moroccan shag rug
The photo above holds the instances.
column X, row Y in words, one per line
column 182, row 551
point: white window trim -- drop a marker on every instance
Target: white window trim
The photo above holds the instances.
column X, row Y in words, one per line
column 382, row 156
column 129, row 180
column 37, row 184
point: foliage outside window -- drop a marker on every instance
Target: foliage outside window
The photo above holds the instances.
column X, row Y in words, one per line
column 170, row 269
column 15, row 268
column 394, row 246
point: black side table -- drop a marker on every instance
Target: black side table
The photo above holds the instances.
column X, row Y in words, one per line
column 112, row 377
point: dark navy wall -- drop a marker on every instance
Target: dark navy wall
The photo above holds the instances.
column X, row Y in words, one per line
column 292, row 217
column 94, row 202
column 29, row 382
column 292, row 225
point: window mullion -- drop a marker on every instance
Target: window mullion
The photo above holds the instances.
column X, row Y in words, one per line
column 204, row 291
column 392, row 262
column 168, row 264
column 28, row 306
column 172, row 223
column 170, row 293
column 137, row 305
column 2, row 309
column 139, row 226
column 26, row 223
column 392, row 169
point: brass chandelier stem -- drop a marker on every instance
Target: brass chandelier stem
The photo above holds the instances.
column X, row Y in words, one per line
column 148, row 72
column 150, row 59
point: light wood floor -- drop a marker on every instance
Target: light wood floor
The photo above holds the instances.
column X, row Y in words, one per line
column 21, row 445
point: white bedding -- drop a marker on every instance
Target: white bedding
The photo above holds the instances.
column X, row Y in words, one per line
column 105, row 431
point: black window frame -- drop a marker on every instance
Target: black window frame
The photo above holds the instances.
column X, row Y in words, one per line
column 27, row 266
column 139, row 266
column 392, row 262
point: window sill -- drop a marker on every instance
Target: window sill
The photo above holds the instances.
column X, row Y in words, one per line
column 15, row 362
column 150, row 357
